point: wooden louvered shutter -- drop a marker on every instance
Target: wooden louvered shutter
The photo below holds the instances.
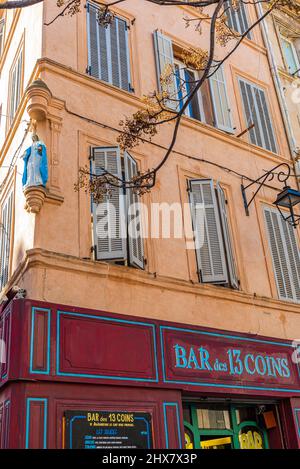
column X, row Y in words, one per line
column 234, row 281
column 108, row 51
column 208, row 236
column 134, row 217
column 5, row 239
column 237, row 18
column 285, row 255
column 164, row 57
column 256, row 112
column 109, row 226
column 222, row 112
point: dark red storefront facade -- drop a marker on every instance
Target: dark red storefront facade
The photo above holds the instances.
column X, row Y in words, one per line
column 62, row 359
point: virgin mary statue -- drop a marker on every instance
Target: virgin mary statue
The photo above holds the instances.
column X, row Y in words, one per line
column 35, row 164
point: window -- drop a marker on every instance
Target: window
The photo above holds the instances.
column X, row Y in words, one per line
column 185, row 79
column 1, row 35
column 117, row 220
column 210, row 105
column 108, row 52
column 5, row 239
column 15, row 84
column 290, row 56
column 214, row 250
column 256, row 112
column 237, row 18
column 285, row 255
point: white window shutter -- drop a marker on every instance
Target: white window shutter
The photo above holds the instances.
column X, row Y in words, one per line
column 234, row 280
column 134, row 217
column 222, row 112
column 108, row 51
column 257, row 112
column 285, row 255
column 109, row 227
column 164, row 57
column 208, row 236
column 5, row 239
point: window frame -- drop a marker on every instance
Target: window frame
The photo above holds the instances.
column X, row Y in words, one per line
column 294, row 53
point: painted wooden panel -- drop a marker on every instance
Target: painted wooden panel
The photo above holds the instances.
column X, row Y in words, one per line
column 173, row 436
column 36, row 423
column 40, row 341
column 104, row 347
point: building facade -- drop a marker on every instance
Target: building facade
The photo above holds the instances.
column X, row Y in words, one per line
column 159, row 342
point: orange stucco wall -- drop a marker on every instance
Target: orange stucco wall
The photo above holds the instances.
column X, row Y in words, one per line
column 51, row 256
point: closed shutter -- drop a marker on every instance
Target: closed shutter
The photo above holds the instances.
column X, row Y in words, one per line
column 1, row 36
column 257, row 112
column 109, row 225
column 285, row 255
column 164, row 57
column 234, row 281
column 134, row 217
column 237, row 19
column 222, row 113
column 208, row 236
column 108, row 51
column 15, row 87
column 5, row 239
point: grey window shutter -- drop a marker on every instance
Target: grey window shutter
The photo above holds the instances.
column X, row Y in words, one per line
column 222, row 112
column 237, row 19
column 1, row 35
column 109, row 230
column 208, row 236
column 108, row 51
column 134, row 217
column 164, row 57
column 256, row 112
column 5, row 239
column 234, row 280
column 285, row 255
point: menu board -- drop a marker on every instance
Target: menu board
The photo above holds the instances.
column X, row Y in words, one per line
column 107, row 430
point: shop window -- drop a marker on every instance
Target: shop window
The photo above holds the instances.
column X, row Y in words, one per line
column 117, row 224
column 290, row 56
column 5, row 239
column 214, row 248
column 232, row 426
column 210, row 105
column 284, row 249
column 237, row 18
column 256, row 111
column 108, row 51
column 15, row 87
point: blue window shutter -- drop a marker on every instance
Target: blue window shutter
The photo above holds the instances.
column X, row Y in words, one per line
column 112, row 246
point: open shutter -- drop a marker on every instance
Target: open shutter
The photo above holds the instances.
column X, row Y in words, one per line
column 96, row 57
column 164, row 57
column 134, row 217
column 234, row 281
column 5, row 239
column 208, row 236
column 109, row 225
column 222, row 113
column 285, row 255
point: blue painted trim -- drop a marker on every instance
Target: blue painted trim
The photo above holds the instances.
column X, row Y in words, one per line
column 297, row 414
column 47, row 370
column 27, row 434
column 229, row 386
column 104, row 318
column 171, row 404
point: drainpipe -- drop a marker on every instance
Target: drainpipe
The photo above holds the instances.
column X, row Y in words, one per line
column 280, row 94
